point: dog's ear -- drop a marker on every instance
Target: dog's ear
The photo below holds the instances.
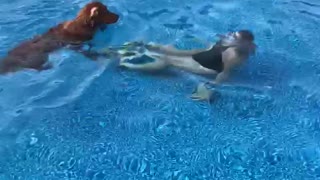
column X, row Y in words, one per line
column 93, row 16
column 94, row 12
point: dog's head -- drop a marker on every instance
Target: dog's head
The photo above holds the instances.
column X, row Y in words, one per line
column 96, row 14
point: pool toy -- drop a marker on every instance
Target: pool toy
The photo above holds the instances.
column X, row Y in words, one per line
column 202, row 93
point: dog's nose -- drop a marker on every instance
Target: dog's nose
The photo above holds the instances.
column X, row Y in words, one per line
column 117, row 17
column 115, row 13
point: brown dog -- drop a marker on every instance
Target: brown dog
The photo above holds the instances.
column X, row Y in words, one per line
column 33, row 54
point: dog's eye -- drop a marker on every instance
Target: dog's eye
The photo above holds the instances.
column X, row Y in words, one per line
column 96, row 12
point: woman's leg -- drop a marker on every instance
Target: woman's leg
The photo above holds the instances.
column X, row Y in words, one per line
column 171, row 50
column 158, row 64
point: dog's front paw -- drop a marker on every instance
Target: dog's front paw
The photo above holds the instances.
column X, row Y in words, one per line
column 46, row 66
column 106, row 50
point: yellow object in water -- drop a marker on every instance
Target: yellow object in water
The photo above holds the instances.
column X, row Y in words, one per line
column 202, row 93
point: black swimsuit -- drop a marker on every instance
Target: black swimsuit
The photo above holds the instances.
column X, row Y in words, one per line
column 212, row 58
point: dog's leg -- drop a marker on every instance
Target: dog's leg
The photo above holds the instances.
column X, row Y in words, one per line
column 37, row 61
column 93, row 55
column 46, row 66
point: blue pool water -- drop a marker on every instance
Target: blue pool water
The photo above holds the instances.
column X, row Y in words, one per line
column 87, row 120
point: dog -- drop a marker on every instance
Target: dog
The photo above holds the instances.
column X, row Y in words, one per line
column 220, row 59
column 33, row 54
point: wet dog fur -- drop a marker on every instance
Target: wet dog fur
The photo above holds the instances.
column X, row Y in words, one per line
column 33, row 53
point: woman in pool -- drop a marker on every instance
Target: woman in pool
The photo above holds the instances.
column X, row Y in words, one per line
column 229, row 52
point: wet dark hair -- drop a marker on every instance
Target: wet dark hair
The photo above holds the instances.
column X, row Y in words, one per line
column 246, row 35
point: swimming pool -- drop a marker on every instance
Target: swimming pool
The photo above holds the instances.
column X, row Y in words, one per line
column 85, row 120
